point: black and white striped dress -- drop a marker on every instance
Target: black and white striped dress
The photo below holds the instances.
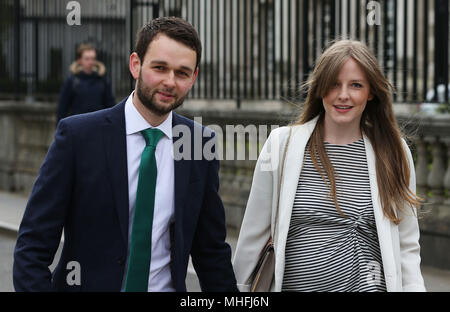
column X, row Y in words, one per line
column 324, row 250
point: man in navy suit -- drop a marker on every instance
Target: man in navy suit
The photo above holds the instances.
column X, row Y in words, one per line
column 88, row 182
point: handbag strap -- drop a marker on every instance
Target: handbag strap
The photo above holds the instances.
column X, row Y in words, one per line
column 279, row 183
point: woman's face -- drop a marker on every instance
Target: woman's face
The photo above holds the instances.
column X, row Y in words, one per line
column 346, row 100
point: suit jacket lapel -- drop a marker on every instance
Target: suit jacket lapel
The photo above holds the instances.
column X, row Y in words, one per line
column 114, row 135
column 292, row 168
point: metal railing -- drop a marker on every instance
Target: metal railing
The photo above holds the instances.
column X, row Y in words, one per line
column 253, row 49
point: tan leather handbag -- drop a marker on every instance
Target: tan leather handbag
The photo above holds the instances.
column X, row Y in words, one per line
column 262, row 276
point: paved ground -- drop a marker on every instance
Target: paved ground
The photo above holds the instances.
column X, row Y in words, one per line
column 13, row 206
column 7, row 242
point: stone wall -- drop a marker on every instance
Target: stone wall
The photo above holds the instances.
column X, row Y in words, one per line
column 26, row 132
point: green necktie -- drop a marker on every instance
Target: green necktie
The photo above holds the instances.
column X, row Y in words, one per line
column 141, row 235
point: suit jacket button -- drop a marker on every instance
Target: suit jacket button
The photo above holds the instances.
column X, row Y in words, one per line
column 121, row 261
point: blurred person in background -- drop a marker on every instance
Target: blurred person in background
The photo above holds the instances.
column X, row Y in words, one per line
column 86, row 89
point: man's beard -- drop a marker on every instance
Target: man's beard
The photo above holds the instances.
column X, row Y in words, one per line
column 146, row 96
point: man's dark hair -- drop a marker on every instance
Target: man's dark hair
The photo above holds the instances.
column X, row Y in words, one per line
column 173, row 27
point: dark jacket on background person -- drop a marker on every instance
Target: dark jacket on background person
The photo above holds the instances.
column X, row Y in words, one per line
column 84, row 93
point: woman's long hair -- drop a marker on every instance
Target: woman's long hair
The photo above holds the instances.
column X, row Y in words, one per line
column 378, row 123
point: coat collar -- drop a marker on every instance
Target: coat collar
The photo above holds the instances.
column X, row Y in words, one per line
column 135, row 122
column 292, row 168
column 294, row 161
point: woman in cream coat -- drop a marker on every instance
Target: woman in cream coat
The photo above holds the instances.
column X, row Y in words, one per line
column 348, row 99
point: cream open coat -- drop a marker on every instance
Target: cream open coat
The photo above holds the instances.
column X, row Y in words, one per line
column 399, row 244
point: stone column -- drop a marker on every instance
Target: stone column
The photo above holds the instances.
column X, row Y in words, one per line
column 421, row 168
column 447, row 174
column 436, row 175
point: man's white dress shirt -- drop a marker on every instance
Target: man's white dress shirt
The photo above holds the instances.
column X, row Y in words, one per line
column 160, row 278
